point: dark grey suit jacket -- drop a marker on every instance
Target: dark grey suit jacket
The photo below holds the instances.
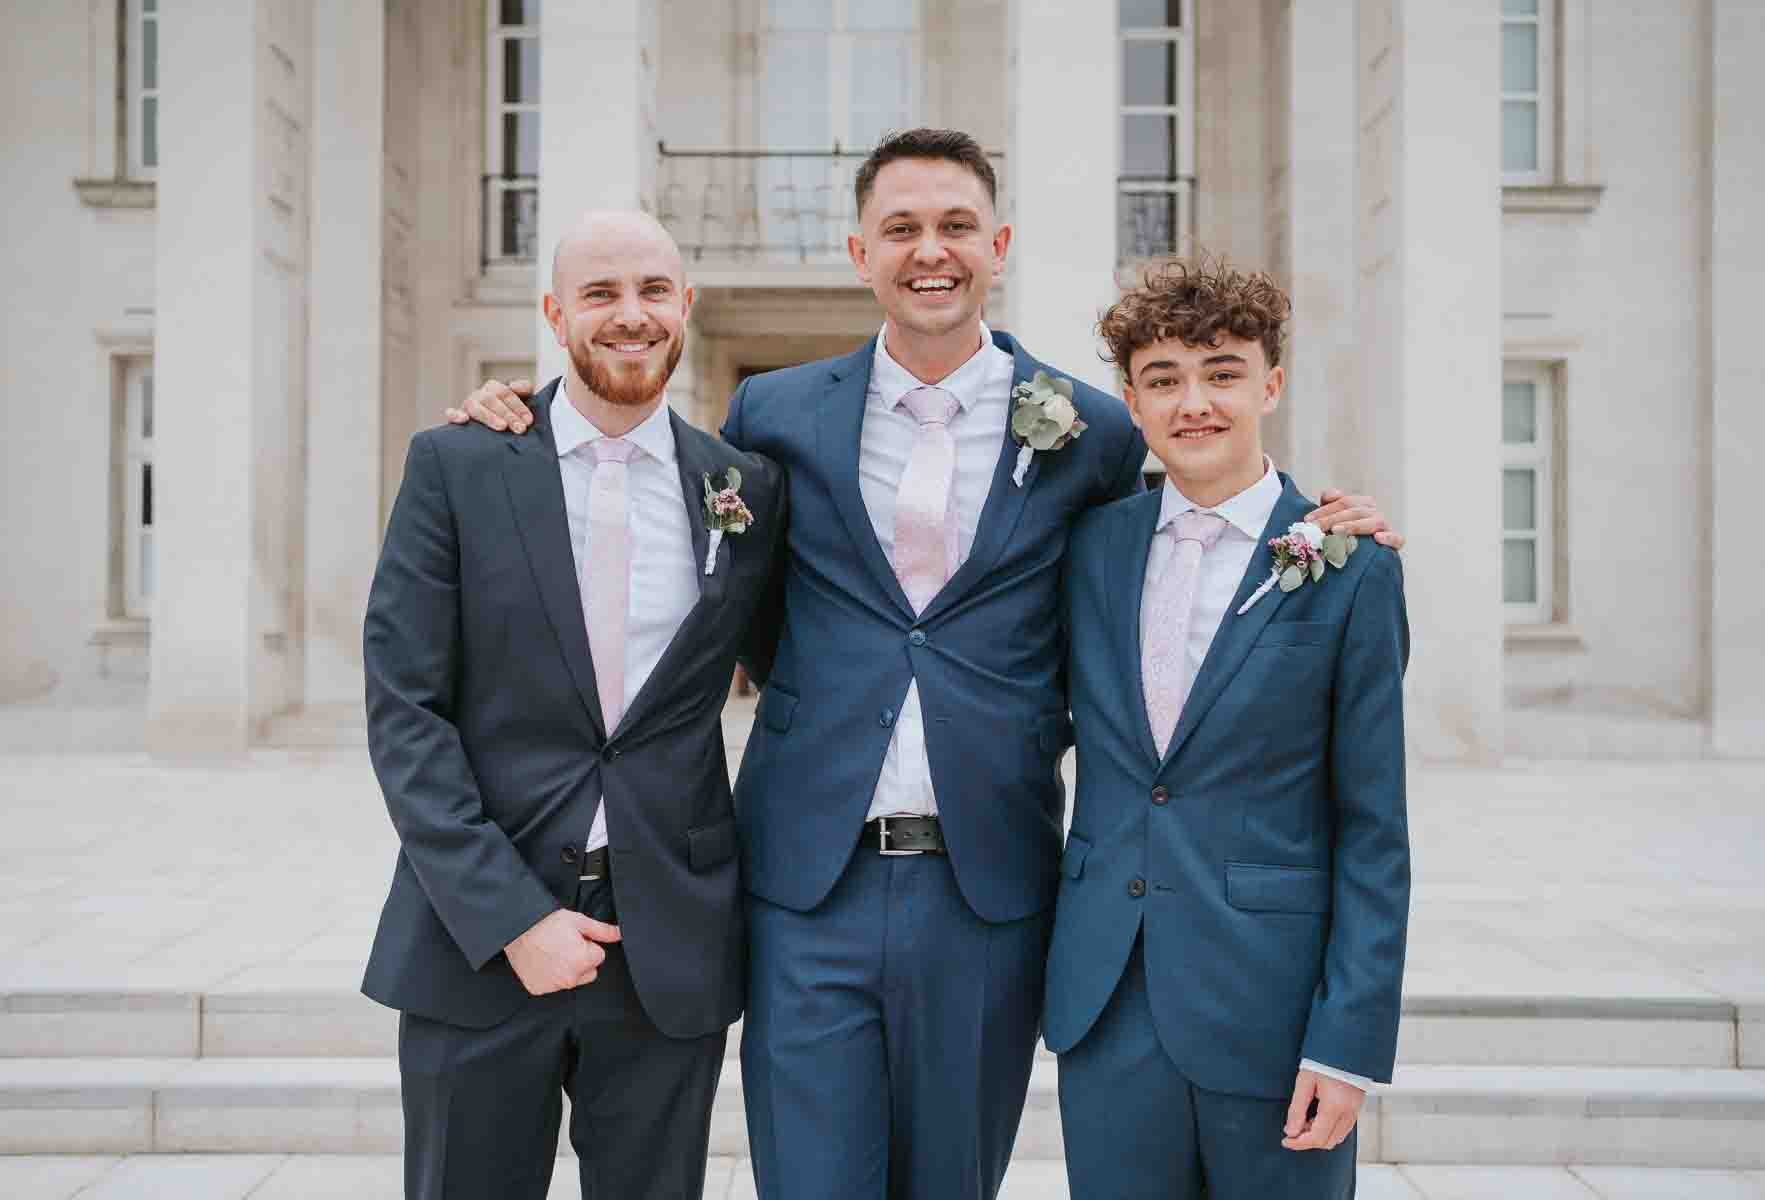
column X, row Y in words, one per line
column 485, row 730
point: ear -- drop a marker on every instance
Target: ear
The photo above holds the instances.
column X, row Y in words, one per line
column 1133, row 403
column 686, row 304
column 1001, row 244
column 554, row 316
column 1271, row 390
column 859, row 256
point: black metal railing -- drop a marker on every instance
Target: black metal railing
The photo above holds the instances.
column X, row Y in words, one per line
column 1154, row 218
column 510, row 232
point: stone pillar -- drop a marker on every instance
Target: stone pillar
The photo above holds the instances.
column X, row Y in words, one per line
column 1061, row 166
column 346, row 351
column 229, row 362
column 597, row 129
column 1427, row 249
column 1737, row 277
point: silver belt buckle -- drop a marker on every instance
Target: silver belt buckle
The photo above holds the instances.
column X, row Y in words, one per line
column 882, row 841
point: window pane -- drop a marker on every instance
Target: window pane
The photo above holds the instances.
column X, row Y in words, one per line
column 799, row 14
column 1149, row 72
column 148, row 6
column 880, row 14
column 520, row 143
column 881, row 70
column 1519, row 571
column 150, row 131
column 147, row 495
column 1519, row 58
column 150, row 54
column 146, row 564
column 1519, row 413
column 521, row 70
column 1146, row 224
column 1519, row 8
column 147, row 406
column 519, row 223
column 1519, row 499
column 794, row 91
column 1149, row 147
column 1519, row 135
column 520, row 12
column 1151, row 14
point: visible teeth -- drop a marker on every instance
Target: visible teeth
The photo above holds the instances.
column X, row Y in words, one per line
column 631, row 347
column 932, row 285
column 1196, row 433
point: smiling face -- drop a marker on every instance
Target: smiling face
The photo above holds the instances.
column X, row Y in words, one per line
column 929, row 246
column 619, row 305
column 1201, row 409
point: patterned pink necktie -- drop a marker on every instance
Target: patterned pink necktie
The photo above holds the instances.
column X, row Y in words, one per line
column 1164, row 636
column 925, row 518
column 606, row 571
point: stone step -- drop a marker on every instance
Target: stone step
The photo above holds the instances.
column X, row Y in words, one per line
column 315, row 1014
column 1634, row 1116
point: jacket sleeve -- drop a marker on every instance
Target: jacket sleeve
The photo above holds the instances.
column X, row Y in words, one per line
column 479, row 885
column 1127, row 479
column 1354, row 1016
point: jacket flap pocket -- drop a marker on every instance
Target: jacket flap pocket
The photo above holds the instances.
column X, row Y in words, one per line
column 1054, row 733
column 1296, row 633
column 776, row 708
column 709, row 845
column 1072, row 863
column 1254, row 887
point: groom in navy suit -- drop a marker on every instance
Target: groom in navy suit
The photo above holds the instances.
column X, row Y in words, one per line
column 900, row 802
column 1224, row 980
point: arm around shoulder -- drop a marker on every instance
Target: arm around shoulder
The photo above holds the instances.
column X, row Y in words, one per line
column 760, row 641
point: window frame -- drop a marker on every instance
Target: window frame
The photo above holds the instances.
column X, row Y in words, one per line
column 1539, row 457
column 1546, row 22
column 136, row 464
column 134, row 40
column 496, row 182
column 841, row 39
column 1182, row 183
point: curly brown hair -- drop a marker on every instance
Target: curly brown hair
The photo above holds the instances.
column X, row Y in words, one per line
column 1197, row 301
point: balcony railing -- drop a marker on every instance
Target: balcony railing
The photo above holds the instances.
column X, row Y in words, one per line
column 511, row 220
column 1155, row 218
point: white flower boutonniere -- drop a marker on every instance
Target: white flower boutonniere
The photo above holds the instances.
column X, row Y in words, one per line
column 1301, row 554
column 725, row 512
column 1042, row 418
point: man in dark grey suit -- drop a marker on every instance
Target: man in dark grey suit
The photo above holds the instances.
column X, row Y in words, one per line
column 544, row 687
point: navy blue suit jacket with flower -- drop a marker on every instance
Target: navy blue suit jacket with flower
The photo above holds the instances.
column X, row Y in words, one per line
column 1270, row 876
column 986, row 651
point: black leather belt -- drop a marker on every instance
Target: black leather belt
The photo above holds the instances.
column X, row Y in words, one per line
column 594, row 865
column 903, row 835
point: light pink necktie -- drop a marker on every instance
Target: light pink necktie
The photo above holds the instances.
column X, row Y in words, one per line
column 1164, row 639
column 925, row 517
column 606, row 571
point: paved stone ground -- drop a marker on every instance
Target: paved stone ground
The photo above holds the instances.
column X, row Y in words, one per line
column 373, row 1177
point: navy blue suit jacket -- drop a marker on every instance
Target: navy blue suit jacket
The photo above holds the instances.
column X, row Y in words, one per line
column 1272, row 882
column 986, row 652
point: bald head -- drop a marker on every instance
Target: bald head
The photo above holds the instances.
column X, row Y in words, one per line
column 617, row 240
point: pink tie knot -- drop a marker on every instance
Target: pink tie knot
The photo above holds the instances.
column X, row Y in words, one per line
column 608, row 449
column 930, row 405
column 1203, row 527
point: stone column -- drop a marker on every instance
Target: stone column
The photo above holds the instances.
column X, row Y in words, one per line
column 1427, row 249
column 1737, row 278
column 346, row 351
column 597, row 129
column 1064, row 85
column 229, row 363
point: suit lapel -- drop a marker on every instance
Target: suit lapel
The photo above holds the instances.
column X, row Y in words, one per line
column 1237, row 634
column 536, row 491
column 1132, row 544
column 839, row 431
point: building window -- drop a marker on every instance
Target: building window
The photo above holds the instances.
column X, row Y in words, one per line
column 1528, row 69
column 1528, row 491
column 136, row 491
column 511, row 132
column 1157, row 134
column 141, row 42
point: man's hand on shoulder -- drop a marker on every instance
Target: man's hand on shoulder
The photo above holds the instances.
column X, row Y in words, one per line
column 496, row 404
column 1339, row 1107
column 560, row 952
column 1358, row 515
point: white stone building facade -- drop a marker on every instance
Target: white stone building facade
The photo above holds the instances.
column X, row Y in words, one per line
column 255, row 244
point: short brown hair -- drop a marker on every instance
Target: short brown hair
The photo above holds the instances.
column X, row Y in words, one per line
column 950, row 145
column 1197, row 301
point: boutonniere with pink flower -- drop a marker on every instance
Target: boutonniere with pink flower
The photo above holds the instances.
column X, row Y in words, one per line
column 725, row 512
column 1301, row 554
column 1042, row 418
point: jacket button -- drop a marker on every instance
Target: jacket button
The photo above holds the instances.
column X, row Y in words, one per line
column 610, row 753
column 1160, row 795
column 1136, row 888
column 887, row 718
column 569, row 854
column 917, row 637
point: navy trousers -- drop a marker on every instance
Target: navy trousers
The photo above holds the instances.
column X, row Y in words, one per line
column 1136, row 1129
column 889, row 1035
column 482, row 1106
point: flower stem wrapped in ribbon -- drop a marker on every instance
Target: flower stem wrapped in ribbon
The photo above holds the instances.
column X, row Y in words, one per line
column 1042, row 418
column 725, row 512
column 1302, row 554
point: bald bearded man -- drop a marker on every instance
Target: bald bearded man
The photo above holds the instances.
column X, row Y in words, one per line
column 544, row 686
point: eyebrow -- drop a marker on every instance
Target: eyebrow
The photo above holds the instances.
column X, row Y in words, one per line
column 612, row 281
column 1212, row 360
column 961, row 210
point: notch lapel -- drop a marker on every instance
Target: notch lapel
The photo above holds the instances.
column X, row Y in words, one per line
column 536, row 491
column 1237, row 634
column 839, row 431
column 1132, row 544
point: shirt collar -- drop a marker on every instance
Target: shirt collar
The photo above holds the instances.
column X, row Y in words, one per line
column 1248, row 512
column 571, row 430
column 889, row 380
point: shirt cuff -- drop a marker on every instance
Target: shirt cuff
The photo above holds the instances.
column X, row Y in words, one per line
column 1359, row 1081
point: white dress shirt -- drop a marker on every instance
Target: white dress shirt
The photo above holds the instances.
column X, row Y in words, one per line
column 1222, row 570
column 664, row 583
column 982, row 388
